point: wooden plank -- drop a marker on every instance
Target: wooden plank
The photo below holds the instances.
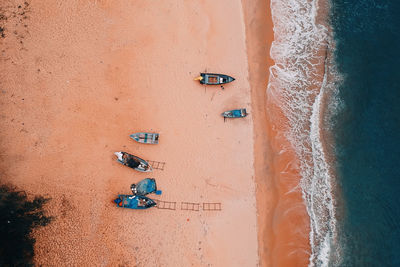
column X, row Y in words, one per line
column 212, row 206
column 190, row 206
column 165, row 205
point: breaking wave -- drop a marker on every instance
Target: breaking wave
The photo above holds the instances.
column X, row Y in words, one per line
column 300, row 83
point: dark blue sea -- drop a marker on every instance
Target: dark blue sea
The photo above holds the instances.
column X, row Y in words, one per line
column 367, row 130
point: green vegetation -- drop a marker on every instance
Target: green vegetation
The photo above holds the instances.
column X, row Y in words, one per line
column 18, row 217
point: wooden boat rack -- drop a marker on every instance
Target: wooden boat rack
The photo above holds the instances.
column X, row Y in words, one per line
column 191, row 206
column 156, row 165
column 165, row 205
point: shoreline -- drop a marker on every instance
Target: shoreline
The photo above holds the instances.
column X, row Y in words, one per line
column 275, row 172
column 300, row 164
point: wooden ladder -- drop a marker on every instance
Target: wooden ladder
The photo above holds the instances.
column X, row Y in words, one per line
column 190, row 206
column 165, row 205
column 212, row 206
column 157, row 165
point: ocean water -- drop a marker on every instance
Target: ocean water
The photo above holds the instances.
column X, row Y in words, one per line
column 367, row 130
column 337, row 81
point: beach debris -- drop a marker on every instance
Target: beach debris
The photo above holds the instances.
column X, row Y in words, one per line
column 145, row 138
column 133, row 162
column 13, row 22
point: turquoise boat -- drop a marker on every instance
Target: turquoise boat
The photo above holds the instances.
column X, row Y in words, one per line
column 235, row 113
column 145, row 138
column 214, row 78
column 145, row 187
column 134, row 202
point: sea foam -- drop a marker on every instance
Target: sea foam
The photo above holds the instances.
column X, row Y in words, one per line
column 300, row 80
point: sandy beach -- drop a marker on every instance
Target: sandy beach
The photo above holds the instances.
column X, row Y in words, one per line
column 90, row 73
column 78, row 77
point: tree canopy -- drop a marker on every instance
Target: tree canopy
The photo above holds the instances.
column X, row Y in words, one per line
column 18, row 217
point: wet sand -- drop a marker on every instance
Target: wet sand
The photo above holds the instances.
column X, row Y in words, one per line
column 83, row 75
column 283, row 222
column 259, row 36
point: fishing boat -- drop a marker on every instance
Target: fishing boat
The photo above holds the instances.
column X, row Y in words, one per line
column 145, row 187
column 134, row 202
column 214, row 78
column 235, row 113
column 133, row 162
column 145, row 138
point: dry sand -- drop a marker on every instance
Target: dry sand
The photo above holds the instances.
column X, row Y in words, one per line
column 83, row 75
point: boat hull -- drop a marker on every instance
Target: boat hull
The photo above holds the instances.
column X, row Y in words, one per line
column 145, row 138
column 133, row 162
column 145, row 187
column 134, row 202
column 215, row 78
column 235, row 113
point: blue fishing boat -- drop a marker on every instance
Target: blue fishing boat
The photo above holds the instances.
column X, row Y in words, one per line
column 214, row 78
column 144, row 187
column 145, row 138
column 134, row 202
column 235, row 113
